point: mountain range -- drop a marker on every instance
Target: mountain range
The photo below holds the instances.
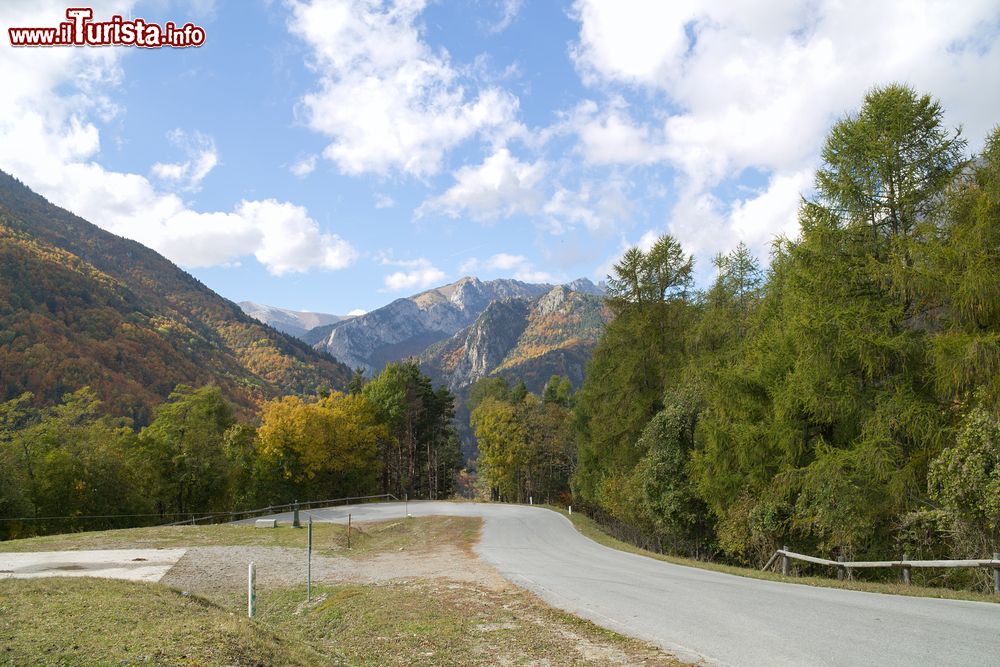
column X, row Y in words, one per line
column 529, row 339
column 465, row 330
column 81, row 306
column 407, row 326
column 292, row 322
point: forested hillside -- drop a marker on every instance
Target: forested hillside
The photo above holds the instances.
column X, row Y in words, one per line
column 82, row 307
column 845, row 400
column 72, row 466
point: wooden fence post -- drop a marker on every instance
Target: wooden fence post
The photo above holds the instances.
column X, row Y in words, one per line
column 785, row 562
column 907, row 572
column 840, row 569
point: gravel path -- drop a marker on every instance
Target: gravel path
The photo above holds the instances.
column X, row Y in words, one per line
column 212, row 570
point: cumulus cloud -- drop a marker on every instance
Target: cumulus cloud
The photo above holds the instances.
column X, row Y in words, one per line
column 419, row 274
column 291, row 241
column 599, row 207
column 756, row 219
column 609, row 136
column 49, row 139
column 502, row 186
column 202, row 159
column 304, row 166
column 387, row 101
column 507, row 264
column 751, row 85
column 505, row 261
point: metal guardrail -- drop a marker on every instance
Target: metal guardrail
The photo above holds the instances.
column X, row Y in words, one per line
column 906, row 565
column 219, row 517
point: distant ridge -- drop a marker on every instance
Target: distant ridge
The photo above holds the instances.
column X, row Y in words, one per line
column 407, row 326
column 292, row 322
column 523, row 339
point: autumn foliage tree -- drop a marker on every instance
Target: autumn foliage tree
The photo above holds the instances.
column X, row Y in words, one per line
column 324, row 448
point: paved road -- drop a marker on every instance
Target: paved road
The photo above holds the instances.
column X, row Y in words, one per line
column 709, row 616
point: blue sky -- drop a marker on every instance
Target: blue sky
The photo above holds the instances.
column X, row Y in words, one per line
column 332, row 155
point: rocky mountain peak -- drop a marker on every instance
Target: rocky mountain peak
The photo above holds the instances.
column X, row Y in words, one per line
column 585, row 286
column 407, row 326
column 552, row 301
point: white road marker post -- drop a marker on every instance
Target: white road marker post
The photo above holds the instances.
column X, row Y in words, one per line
column 309, row 562
column 251, row 590
column 531, row 500
column 571, row 509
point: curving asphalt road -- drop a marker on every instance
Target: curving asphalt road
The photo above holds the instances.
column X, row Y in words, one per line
column 709, row 616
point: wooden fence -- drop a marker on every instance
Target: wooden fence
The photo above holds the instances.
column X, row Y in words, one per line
column 844, row 568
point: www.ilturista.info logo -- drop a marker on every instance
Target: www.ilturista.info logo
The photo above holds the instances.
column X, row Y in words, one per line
column 81, row 30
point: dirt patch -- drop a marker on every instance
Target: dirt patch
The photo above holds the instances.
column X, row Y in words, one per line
column 223, row 570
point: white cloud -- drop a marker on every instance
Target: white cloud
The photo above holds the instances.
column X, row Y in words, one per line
column 291, row 241
column 49, row 140
column 751, row 85
column 517, row 266
column 168, row 172
column 510, row 9
column 505, row 261
column 502, row 186
column 421, row 274
column 631, row 40
column 384, row 201
column 202, row 159
column 469, row 266
column 304, row 167
column 612, row 137
column 530, row 275
column 756, row 220
column 599, row 207
column 387, row 100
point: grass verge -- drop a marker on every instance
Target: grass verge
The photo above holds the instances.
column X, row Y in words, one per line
column 328, row 539
column 591, row 529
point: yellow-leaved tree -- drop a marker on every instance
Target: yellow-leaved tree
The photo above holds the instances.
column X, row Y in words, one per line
column 327, row 447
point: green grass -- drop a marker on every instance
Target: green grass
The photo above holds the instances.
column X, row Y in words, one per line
column 328, row 539
column 591, row 529
column 424, row 623
column 70, row 621
column 82, row 621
